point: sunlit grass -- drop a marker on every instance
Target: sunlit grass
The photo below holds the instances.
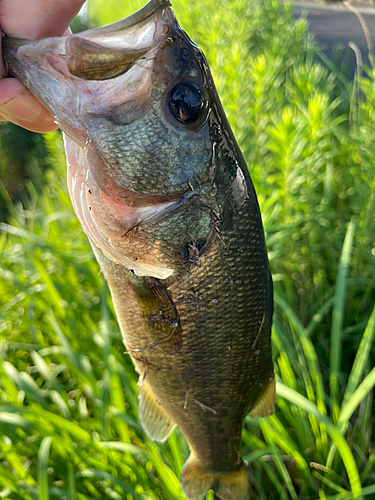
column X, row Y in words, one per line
column 68, row 414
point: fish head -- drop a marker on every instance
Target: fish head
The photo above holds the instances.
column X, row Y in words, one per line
column 146, row 139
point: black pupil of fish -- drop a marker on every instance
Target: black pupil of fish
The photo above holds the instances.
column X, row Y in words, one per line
column 186, row 102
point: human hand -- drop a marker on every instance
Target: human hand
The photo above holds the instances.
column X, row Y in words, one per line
column 32, row 20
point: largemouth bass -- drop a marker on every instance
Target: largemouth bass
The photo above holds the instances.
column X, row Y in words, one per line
column 164, row 195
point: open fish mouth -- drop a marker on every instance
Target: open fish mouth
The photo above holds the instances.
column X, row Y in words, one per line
column 94, row 83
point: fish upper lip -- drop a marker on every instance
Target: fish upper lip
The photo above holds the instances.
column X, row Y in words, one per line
column 146, row 13
column 141, row 15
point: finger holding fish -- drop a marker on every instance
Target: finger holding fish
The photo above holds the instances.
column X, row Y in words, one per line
column 19, row 106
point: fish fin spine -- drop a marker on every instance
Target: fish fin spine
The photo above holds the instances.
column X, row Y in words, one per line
column 155, row 421
column 197, row 481
column 265, row 405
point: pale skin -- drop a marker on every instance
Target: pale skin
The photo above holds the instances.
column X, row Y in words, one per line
column 32, row 19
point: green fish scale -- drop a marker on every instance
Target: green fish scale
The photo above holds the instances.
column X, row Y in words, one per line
column 131, row 151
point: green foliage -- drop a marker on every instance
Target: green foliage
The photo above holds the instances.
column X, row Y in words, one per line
column 68, row 394
column 23, row 159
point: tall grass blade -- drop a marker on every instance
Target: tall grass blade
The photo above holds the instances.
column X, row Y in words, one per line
column 269, row 437
column 353, row 394
column 169, row 478
column 72, row 493
column 367, row 491
column 44, row 370
column 319, row 316
column 342, row 446
column 361, row 358
column 329, row 483
column 359, row 394
column 337, row 321
column 312, row 376
column 12, row 418
column 93, row 473
column 43, row 456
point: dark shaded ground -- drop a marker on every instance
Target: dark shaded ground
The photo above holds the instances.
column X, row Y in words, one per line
column 335, row 25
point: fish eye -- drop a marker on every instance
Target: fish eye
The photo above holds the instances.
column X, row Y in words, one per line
column 186, row 102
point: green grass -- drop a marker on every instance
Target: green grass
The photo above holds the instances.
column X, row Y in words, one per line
column 68, row 395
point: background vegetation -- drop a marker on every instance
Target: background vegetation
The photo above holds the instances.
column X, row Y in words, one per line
column 68, row 409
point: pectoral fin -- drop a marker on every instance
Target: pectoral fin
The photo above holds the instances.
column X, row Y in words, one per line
column 265, row 405
column 154, row 419
column 161, row 315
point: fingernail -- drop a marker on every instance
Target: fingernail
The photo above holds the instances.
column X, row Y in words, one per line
column 23, row 107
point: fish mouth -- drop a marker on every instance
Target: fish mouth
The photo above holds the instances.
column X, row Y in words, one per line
column 99, row 71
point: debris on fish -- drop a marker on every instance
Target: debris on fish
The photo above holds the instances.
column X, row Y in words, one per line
column 164, row 195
